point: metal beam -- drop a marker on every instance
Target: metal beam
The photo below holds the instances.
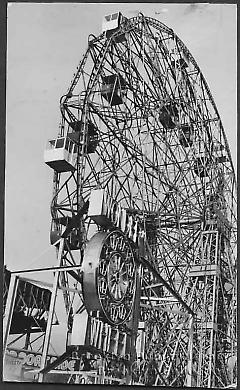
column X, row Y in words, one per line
column 145, row 263
column 7, row 319
column 51, row 312
column 59, row 268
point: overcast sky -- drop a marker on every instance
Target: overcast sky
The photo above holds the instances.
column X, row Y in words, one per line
column 45, row 45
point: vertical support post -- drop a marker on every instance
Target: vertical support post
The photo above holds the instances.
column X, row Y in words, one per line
column 27, row 340
column 214, row 304
column 134, row 323
column 7, row 320
column 51, row 312
column 189, row 377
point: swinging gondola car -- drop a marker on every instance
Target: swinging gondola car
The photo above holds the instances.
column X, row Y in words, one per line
column 92, row 135
column 112, row 88
column 201, row 166
column 61, row 154
column 111, row 24
column 169, row 115
column 186, row 135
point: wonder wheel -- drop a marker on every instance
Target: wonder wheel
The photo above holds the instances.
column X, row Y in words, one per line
column 143, row 214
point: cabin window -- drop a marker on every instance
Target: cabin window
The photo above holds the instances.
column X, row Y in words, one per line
column 59, row 142
column 114, row 16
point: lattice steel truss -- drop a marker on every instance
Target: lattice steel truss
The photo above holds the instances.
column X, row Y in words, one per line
column 147, row 130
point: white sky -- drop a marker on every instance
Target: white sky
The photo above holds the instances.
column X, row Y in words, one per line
column 45, row 44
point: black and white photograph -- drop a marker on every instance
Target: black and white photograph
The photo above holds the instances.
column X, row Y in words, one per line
column 120, row 226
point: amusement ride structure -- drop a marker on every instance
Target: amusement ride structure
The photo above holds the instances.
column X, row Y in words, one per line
column 143, row 217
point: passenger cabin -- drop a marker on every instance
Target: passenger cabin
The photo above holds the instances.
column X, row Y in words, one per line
column 111, row 89
column 221, row 155
column 210, row 208
column 111, row 24
column 92, row 135
column 74, row 239
column 186, row 135
column 179, row 63
column 201, row 166
column 169, row 115
column 61, row 154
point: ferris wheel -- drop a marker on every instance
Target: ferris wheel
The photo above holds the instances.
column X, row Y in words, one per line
column 144, row 208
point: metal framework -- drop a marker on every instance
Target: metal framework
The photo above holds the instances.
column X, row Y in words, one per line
column 146, row 130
